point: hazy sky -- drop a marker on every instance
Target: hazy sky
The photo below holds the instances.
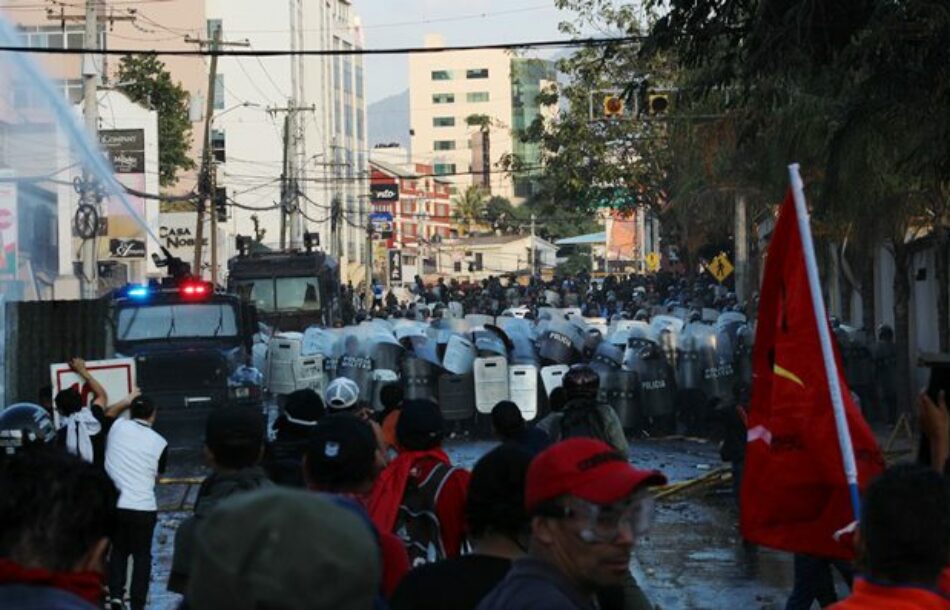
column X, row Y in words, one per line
column 404, row 23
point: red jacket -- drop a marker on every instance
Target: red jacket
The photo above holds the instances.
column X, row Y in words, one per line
column 450, row 506
column 871, row 596
column 395, row 561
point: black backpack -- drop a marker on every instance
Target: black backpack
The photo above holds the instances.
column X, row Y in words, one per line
column 582, row 420
column 417, row 523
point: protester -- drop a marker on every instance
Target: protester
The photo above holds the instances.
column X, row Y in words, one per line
column 84, row 428
column 234, row 442
column 284, row 456
column 343, row 459
column 582, row 414
column 135, row 456
column 498, row 531
column 588, row 506
column 24, row 426
column 904, row 542
column 420, row 496
column 56, row 516
column 44, row 398
column 284, row 548
column 509, row 426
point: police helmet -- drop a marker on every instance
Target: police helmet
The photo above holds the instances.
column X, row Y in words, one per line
column 24, row 424
column 581, row 381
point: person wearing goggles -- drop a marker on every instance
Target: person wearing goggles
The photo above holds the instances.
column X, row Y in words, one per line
column 588, row 506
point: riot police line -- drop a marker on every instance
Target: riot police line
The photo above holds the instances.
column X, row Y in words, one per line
column 670, row 369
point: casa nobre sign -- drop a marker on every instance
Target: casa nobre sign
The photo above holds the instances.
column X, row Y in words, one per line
column 178, row 237
column 384, row 192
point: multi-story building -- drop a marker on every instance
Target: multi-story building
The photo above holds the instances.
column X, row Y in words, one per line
column 322, row 101
column 421, row 208
column 467, row 109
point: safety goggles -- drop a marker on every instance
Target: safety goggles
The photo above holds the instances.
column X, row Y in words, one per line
column 602, row 524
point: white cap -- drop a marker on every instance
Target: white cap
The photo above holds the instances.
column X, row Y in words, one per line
column 342, row 393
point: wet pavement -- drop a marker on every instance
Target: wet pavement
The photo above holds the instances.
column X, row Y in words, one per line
column 693, row 558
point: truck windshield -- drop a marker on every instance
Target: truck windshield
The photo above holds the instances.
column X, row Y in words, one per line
column 167, row 321
column 281, row 294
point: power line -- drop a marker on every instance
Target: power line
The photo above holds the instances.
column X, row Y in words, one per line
column 223, row 52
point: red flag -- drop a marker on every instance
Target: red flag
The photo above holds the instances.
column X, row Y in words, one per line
column 794, row 492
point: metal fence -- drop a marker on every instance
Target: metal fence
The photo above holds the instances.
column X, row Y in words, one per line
column 40, row 333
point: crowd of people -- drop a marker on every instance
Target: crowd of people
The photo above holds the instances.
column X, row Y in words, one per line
column 622, row 295
column 347, row 508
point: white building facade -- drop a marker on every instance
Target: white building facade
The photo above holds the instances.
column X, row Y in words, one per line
column 445, row 89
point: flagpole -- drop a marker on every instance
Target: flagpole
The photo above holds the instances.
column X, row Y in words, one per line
column 824, row 334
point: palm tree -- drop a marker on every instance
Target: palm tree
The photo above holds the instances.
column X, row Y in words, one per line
column 469, row 206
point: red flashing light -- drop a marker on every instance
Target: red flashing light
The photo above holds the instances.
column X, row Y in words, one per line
column 194, row 290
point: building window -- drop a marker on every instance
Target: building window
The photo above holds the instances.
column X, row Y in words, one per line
column 477, row 96
column 442, row 169
column 443, row 98
column 214, row 25
column 218, row 145
column 457, row 266
column 480, row 73
column 478, row 261
column 443, row 121
column 443, row 145
column 219, row 91
column 441, row 75
column 348, row 119
column 359, row 126
column 359, row 78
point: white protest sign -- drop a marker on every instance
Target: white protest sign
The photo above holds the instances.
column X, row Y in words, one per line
column 116, row 376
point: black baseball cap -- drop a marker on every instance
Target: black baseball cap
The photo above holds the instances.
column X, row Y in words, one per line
column 341, row 451
column 420, row 426
column 234, row 425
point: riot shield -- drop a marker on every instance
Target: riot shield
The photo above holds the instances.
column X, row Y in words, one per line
column 457, row 396
column 709, row 367
column 489, row 342
column 491, row 382
column 620, row 389
column 459, row 355
column 745, row 338
column 657, row 389
column 523, row 389
column 354, row 358
column 607, row 357
column 559, row 343
column 521, row 345
column 477, row 319
column 553, row 377
column 420, row 378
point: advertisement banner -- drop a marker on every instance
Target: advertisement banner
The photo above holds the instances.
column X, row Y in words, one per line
column 125, row 237
column 382, row 223
column 8, row 227
column 395, row 267
column 622, row 237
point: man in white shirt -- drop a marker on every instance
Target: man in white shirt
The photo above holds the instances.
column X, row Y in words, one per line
column 135, row 456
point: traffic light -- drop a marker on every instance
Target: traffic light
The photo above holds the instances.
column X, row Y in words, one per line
column 658, row 103
column 221, row 204
column 613, row 106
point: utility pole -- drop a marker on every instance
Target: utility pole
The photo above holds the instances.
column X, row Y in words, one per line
column 205, row 201
column 369, row 256
column 90, row 76
column 291, row 220
column 742, row 249
column 205, row 177
column 534, row 253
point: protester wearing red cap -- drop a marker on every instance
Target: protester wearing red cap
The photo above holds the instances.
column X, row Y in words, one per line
column 587, row 505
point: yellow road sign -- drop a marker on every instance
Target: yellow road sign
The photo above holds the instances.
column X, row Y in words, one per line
column 653, row 261
column 720, row 267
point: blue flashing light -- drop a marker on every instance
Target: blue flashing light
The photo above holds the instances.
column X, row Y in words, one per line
column 138, row 292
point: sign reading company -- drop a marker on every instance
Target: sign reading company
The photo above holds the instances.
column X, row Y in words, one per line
column 384, row 192
column 125, row 149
